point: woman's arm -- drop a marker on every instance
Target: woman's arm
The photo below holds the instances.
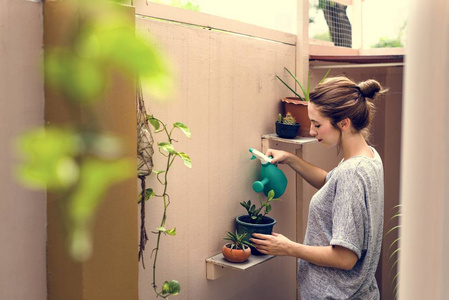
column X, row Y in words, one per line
column 325, row 256
column 311, row 173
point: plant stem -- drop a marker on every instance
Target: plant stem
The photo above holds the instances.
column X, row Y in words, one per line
column 164, row 216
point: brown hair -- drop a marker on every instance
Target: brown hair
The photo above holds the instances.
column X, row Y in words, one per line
column 339, row 98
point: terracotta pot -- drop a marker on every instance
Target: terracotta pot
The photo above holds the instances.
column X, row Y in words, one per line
column 235, row 255
column 298, row 109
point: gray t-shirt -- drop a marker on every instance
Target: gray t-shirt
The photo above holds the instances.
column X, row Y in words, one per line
column 347, row 211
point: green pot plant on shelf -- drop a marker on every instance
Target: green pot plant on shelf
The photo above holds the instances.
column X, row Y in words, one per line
column 297, row 105
column 287, row 127
column 238, row 250
column 256, row 221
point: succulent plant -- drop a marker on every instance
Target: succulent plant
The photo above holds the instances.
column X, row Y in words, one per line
column 238, row 241
column 289, row 119
column 256, row 214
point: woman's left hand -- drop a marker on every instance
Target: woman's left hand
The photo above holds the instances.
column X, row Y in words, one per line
column 274, row 244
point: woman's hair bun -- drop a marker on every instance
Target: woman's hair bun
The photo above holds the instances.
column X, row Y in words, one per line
column 369, row 88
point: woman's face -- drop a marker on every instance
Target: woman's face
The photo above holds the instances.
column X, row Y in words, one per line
column 321, row 127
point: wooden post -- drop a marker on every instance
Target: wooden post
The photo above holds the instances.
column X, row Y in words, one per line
column 112, row 271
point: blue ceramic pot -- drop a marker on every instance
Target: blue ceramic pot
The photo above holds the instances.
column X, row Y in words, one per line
column 243, row 225
column 287, row 131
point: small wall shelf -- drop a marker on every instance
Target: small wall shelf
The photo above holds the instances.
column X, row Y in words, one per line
column 217, row 266
column 299, row 140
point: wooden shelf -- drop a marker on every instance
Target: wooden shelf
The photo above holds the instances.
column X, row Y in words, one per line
column 297, row 141
column 217, row 266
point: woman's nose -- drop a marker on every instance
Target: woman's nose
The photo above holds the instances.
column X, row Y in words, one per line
column 312, row 132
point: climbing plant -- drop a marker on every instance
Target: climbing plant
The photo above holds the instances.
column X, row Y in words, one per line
column 166, row 149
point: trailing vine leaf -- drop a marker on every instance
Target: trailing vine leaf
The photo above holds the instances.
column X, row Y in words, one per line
column 148, row 194
column 171, row 288
column 171, row 232
column 183, row 128
column 157, row 172
column 167, row 147
column 154, row 122
column 186, row 159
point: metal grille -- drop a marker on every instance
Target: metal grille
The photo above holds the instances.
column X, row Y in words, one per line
column 329, row 21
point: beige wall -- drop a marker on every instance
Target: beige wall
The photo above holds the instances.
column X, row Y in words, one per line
column 424, row 251
column 226, row 81
column 228, row 95
column 22, row 212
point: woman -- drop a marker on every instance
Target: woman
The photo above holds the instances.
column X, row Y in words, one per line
column 341, row 249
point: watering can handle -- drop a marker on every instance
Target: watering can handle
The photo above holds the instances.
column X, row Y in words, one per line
column 262, row 157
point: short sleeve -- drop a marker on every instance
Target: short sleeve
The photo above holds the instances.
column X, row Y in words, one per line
column 349, row 214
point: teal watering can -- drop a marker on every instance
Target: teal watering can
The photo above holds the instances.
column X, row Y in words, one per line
column 271, row 177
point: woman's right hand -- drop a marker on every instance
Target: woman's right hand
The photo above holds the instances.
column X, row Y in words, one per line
column 279, row 156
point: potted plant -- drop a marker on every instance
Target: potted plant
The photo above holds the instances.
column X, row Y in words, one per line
column 297, row 105
column 256, row 221
column 238, row 250
column 287, row 127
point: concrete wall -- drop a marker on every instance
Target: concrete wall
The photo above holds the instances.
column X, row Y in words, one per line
column 22, row 212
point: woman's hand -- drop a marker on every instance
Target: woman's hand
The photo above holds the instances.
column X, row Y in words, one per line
column 279, row 156
column 274, row 244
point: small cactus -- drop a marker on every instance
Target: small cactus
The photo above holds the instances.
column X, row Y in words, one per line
column 280, row 118
column 289, row 119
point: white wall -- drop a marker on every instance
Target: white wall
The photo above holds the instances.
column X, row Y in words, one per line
column 22, row 212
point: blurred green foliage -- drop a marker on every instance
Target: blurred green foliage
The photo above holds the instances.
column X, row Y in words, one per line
column 388, row 43
column 79, row 162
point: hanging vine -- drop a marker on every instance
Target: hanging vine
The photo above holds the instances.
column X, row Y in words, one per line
column 145, row 168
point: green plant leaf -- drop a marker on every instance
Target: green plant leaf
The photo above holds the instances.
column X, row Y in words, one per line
column 49, row 158
column 171, row 288
column 96, row 177
column 171, row 232
column 167, row 147
column 148, row 194
column 155, row 122
column 183, row 128
column 186, row 159
column 304, row 92
column 79, row 78
column 325, row 76
column 292, row 90
column 268, row 209
column 157, row 172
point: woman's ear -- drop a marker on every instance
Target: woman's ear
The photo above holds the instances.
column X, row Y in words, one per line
column 344, row 124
